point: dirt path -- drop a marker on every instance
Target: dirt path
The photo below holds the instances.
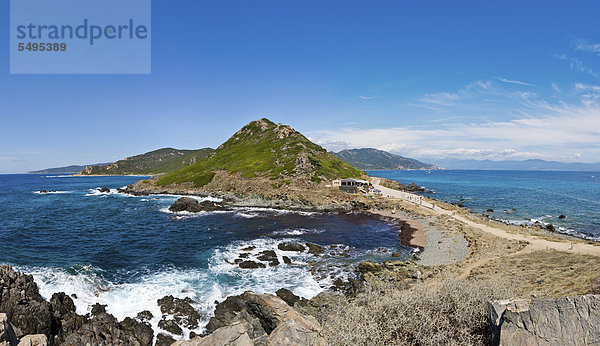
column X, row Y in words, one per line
column 535, row 243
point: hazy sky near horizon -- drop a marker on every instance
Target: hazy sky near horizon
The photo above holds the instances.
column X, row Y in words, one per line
column 428, row 79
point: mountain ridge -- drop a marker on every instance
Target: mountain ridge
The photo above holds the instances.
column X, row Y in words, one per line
column 375, row 159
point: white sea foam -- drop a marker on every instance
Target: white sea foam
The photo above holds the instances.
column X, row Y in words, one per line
column 51, row 192
column 296, row 232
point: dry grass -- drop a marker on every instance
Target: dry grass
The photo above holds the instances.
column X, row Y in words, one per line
column 545, row 273
column 451, row 313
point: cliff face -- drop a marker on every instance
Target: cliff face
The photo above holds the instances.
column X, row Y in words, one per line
column 560, row 321
column 263, row 149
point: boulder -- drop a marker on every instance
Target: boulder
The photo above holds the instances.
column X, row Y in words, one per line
column 546, row 321
column 183, row 312
column 490, row 210
column 287, row 296
column 291, row 247
column 170, row 326
column 164, row 340
column 104, row 189
column 144, row 315
column 234, row 335
column 314, row 249
column 562, row 216
column 7, row 332
column 193, row 206
column 62, row 304
column 286, row 260
column 266, row 319
column 34, row 340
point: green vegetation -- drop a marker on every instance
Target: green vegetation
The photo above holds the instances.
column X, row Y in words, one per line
column 158, row 161
column 369, row 158
column 265, row 149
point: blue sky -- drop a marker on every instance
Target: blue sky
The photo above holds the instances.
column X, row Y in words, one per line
column 429, row 79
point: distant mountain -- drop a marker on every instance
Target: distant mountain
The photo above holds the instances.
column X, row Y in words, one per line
column 374, row 159
column 158, row 161
column 534, row 164
column 263, row 149
column 73, row 169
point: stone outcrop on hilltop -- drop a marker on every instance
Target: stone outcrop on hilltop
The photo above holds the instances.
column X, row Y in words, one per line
column 546, row 321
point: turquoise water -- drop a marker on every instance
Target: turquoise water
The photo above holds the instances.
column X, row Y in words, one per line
column 518, row 196
column 127, row 251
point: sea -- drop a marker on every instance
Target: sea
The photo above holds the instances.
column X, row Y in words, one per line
column 127, row 252
column 517, row 197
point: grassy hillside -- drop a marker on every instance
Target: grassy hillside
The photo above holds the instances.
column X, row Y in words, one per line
column 265, row 149
column 158, row 161
column 66, row 170
column 369, row 158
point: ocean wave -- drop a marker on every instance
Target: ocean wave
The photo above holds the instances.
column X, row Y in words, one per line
column 51, row 192
column 296, row 232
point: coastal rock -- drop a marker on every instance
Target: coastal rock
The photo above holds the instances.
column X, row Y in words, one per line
column 34, row 340
column 164, row 340
column 183, row 312
column 7, row 332
column 266, row 319
column 104, row 189
column 490, row 210
column 287, row 296
column 22, row 303
column 62, row 304
column 170, row 326
column 269, row 256
column 547, row 321
column 144, row 315
column 104, row 329
column 234, row 335
column 286, row 260
column 251, row 265
column 562, row 216
column 314, row 249
column 193, row 206
column 291, row 247
column 412, row 187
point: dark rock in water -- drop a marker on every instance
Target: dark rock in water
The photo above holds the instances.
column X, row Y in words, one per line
column 244, row 255
column 43, row 191
column 144, row 315
column 458, row 204
column 287, row 296
column 238, row 260
column 412, row 187
column 269, row 256
column 183, row 312
column 98, row 309
column 249, row 248
column 490, row 210
column 314, row 249
column 396, row 254
column 291, row 247
column 163, row 340
column 170, row 326
column 251, row 265
column 562, row 216
column 104, row 189
column 24, row 306
column 546, row 321
column 286, row 260
column 193, row 206
column 550, row 227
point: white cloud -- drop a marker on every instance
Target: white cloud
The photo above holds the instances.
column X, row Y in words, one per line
column 510, row 81
column 576, row 64
column 555, row 87
column 535, row 129
column 586, row 46
column 449, row 98
column 362, row 97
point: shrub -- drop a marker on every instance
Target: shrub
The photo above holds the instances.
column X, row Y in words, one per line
column 451, row 313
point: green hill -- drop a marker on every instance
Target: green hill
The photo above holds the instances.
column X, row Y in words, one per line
column 73, row 169
column 369, row 158
column 158, row 161
column 268, row 150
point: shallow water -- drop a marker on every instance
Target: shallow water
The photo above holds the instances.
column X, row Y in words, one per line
column 127, row 251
